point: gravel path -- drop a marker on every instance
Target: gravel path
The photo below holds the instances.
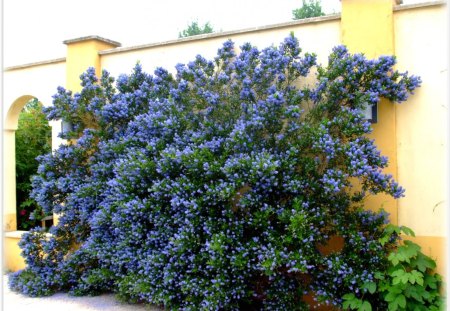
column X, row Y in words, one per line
column 13, row 301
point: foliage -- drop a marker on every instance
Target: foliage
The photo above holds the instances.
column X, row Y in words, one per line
column 408, row 283
column 33, row 138
column 310, row 8
column 216, row 187
column 194, row 29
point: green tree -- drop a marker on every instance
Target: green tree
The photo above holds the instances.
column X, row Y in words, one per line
column 310, row 8
column 33, row 138
column 194, row 29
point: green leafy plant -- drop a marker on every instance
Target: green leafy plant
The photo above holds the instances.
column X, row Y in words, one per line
column 194, row 29
column 33, row 138
column 408, row 283
column 310, row 8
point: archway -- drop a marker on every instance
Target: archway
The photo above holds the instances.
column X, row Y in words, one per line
column 9, row 154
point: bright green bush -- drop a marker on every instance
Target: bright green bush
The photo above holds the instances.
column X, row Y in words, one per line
column 310, row 8
column 215, row 188
column 408, row 282
column 194, row 29
column 33, row 138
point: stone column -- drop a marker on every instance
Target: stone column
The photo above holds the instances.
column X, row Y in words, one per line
column 9, row 180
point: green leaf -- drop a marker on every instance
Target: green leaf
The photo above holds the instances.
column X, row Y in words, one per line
column 407, row 231
column 393, row 259
column 417, row 307
column 411, row 248
column 415, row 292
column 404, row 253
column 430, row 281
column 366, row 306
column 400, row 276
column 390, row 296
column 383, row 240
column 356, row 303
column 401, row 300
column 416, row 277
column 398, row 273
column 423, row 262
column 392, row 306
column 351, row 301
column 371, row 287
column 348, row 297
column 379, row 276
column 396, row 290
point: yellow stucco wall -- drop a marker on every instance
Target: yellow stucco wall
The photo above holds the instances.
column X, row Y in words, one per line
column 30, row 81
column 422, row 127
column 367, row 27
column 319, row 37
column 11, row 256
column 414, row 135
column 421, row 38
column 81, row 54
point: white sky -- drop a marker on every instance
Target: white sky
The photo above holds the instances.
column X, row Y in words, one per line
column 33, row 30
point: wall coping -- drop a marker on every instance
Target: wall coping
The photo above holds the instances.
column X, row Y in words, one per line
column 312, row 20
column 418, row 5
column 92, row 37
column 14, row 234
column 18, row 234
column 34, row 64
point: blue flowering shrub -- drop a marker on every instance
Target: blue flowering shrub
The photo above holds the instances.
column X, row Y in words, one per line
column 219, row 187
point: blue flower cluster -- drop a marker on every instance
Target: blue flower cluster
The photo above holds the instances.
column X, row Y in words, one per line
column 216, row 188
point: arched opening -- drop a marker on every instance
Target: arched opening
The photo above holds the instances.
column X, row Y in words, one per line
column 33, row 138
column 26, row 134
